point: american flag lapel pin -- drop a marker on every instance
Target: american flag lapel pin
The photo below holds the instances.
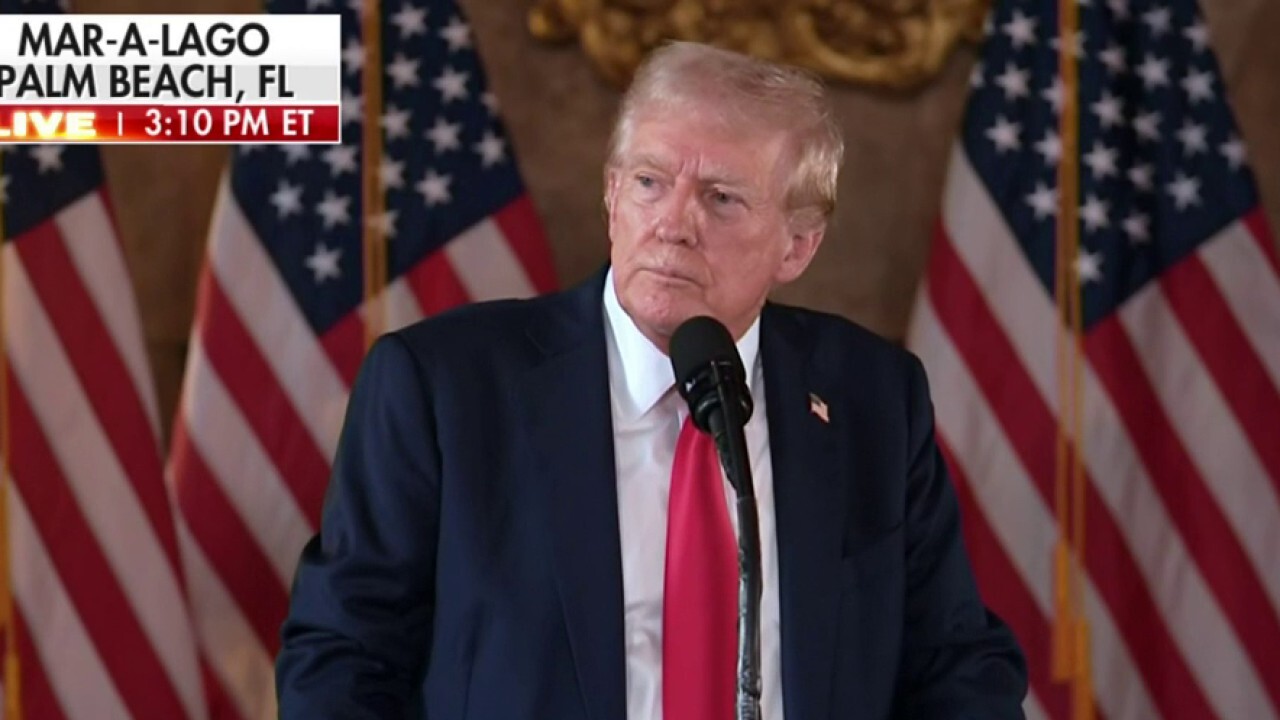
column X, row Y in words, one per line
column 818, row 407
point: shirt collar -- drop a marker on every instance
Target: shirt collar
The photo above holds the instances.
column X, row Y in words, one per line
column 639, row 373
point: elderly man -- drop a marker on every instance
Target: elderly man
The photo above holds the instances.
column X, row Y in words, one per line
column 509, row 532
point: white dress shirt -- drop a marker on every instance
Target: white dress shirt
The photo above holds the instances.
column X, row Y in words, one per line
column 647, row 415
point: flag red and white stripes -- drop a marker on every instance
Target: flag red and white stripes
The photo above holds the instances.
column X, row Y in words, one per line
column 100, row 602
column 1183, row 498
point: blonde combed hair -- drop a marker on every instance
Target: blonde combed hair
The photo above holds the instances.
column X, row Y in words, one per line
column 738, row 86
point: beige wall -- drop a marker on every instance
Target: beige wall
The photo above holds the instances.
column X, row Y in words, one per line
column 558, row 112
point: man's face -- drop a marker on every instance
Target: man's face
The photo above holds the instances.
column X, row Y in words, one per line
column 697, row 222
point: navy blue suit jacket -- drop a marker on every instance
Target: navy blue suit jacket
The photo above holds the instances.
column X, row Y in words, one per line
column 468, row 563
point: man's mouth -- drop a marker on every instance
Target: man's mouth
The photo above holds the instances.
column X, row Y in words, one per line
column 670, row 274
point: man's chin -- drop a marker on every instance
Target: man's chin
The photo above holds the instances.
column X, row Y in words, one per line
column 658, row 314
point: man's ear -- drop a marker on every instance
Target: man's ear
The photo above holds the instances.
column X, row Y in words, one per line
column 801, row 247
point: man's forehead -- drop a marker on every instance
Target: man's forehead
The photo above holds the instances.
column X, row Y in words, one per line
column 721, row 121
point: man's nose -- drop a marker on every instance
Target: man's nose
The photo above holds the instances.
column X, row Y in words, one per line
column 677, row 222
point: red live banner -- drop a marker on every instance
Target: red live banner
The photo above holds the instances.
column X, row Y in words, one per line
column 161, row 124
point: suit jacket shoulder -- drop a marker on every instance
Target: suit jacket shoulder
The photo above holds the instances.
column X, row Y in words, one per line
column 838, row 343
column 508, row 330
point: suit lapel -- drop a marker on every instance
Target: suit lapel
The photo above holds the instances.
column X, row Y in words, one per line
column 566, row 410
column 808, row 497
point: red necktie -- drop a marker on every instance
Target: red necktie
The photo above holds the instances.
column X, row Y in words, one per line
column 699, row 611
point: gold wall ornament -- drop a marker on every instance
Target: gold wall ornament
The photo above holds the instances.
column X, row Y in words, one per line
column 893, row 44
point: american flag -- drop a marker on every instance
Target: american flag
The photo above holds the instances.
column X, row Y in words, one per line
column 279, row 332
column 99, row 604
column 1180, row 391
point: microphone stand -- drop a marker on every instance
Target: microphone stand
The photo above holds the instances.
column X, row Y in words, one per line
column 731, row 444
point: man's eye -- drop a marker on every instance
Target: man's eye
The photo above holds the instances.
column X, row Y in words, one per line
column 722, row 198
column 645, row 181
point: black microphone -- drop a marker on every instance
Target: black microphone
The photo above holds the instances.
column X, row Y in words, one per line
column 711, row 379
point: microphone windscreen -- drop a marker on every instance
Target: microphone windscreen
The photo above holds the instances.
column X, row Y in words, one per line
column 697, row 343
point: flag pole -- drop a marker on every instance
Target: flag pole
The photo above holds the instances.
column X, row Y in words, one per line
column 1062, row 666
column 1071, row 661
column 374, row 202
column 1082, row 686
column 12, row 670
